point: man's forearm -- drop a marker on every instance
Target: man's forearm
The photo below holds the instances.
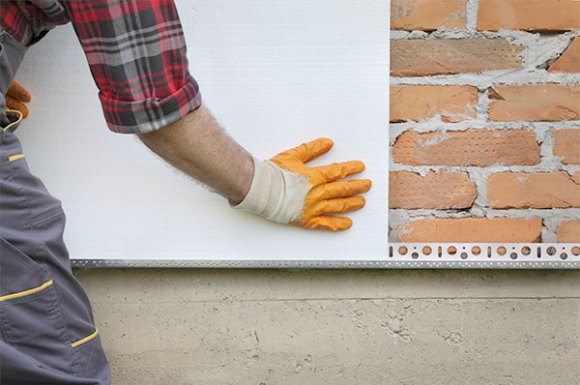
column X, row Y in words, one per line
column 199, row 147
column 283, row 189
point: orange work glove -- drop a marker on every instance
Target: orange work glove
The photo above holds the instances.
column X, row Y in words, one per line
column 16, row 96
column 285, row 190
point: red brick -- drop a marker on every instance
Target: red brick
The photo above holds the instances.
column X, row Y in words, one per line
column 513, row 230
column 435, row 190
column 534, row 103
column 474, row 147
column 452, row 56
column 539, row 15
column 428, row 15
column 569, row 62
column 568, row 231
column 541, row 190
column 567, row 145
column 419, row 102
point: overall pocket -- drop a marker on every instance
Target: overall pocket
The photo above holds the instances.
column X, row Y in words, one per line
column 41, row 204
column 91, row 357
column 30, row 317
column 25, row 200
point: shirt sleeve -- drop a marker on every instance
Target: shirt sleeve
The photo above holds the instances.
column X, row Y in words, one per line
column 136, row 53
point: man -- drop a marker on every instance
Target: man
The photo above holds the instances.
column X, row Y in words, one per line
column 137, row 55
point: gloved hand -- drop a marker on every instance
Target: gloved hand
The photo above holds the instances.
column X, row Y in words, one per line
column 16, row 96
column 285, row 190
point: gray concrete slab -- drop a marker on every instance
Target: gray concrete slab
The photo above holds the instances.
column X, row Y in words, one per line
column 338, row 327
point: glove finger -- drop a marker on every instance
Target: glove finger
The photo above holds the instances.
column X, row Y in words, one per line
column 340, row 189
column 308, row 151
column 339, row 205
column 328, row 223
column 18, row 92
column 14, row 104
column 337, row 171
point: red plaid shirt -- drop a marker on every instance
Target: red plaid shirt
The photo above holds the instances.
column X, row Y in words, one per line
column 135, row 49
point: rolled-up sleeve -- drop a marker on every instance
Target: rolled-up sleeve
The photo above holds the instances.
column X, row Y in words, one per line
column 137, row 55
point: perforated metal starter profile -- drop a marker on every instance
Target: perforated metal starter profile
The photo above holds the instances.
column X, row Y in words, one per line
column 399, row 256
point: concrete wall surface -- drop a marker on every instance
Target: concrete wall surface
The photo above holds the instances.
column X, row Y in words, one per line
column 293, row 327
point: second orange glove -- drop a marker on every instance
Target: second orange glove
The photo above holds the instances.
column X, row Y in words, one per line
column 16, row 96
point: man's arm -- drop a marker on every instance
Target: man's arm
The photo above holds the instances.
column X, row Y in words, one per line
column 282, row 190
column 199, row 147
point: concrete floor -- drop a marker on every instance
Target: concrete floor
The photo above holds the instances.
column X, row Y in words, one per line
column 291, row 327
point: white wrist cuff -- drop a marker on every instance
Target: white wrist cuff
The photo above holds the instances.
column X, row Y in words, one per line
column 275, row 194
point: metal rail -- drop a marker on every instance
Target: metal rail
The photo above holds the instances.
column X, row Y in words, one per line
column 398, row 256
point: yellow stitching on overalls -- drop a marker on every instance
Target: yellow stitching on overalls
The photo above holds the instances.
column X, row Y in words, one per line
column 13, row 123
column 15, row 157
column 26, row 292
column 85, row 340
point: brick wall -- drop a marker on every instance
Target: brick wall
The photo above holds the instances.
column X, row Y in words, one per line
column 485, row 121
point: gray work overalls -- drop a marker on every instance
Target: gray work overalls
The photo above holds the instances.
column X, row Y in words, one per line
column 47, row 332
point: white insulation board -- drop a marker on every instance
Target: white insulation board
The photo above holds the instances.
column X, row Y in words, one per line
column 276, row 74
